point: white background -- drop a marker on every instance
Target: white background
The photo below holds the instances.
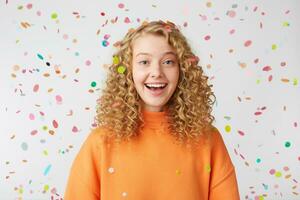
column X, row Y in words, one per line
column 37, row 166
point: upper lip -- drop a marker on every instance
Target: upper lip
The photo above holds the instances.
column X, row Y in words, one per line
column 157, row 83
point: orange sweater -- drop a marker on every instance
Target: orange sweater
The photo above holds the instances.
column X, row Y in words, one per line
column 151, row 168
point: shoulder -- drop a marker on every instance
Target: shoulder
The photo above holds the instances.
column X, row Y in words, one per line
column 97, row 136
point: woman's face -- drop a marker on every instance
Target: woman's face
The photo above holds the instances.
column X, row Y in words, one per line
column 155, row 70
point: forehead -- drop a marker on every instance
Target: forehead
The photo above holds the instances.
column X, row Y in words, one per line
column 150, row 44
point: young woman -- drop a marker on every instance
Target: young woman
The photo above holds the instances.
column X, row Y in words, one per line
column 155, row 139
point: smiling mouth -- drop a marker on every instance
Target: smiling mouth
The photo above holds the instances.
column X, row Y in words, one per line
column 156, row 91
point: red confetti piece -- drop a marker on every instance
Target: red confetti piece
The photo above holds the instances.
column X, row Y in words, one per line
column 270, row 78
column 54, row 123
column 267, row 68
column 247, row 43
column 36, row 87
column 257, row 113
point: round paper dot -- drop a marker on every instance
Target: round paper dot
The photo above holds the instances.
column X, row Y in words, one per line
column 121, row 5
column 111, row 170
column 24, row 146
column 287, row 144
column 45, row 128
column 121, row 69
column 54, row 15
column 88, row 62
column 258, row 160
column 272, row 171
column 231, row 13
column 105, row 43
column 278, row 174
column 227, row 128
column 93, row 84
column 247, row 43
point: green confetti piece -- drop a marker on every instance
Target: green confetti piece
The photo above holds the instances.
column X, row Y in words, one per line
column 93, row 84
column 287, row 144
column 121, row 69
column 54, row 15
column 40, row 56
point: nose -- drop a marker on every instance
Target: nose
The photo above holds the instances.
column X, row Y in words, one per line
column 156, row 70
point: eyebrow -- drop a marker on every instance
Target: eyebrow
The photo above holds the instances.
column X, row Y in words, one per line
column 169, row 52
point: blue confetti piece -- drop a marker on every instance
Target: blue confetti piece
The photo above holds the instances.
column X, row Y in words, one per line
column 47, row 170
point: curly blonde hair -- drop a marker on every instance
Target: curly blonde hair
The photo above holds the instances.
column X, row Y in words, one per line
column 189, row 108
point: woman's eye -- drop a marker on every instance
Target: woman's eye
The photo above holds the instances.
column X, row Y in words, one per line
column 143, row 62
column 169, row 62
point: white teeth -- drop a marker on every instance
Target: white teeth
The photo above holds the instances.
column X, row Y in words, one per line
column 156, row 85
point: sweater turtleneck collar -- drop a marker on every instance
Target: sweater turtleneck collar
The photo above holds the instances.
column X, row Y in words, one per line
column 154, row 119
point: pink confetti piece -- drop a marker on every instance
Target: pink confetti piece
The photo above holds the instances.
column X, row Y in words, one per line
column 58, row 99
column 29, row 6
column 121, row 5
column 267, row 68
column 88, row 63
column 54, row 123
column 241, row 133
column 295, row 124
column 272, row 171
column 74, row 129
column 232, row 31
column 36, row 88
column 31, row 116
column 231, row 13
column 127, row 20
column 33, row 132
column 207, row 37
column 42, row 114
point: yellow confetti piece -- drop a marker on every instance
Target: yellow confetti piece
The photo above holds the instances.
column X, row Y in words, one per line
column 121, row 69
column 261, row 197
column 50, row 90
column 227, row 128
column 208, row 168
column 45, row 152
column 116, row 60
column 274, row 46
column 258, row 81
column 178, row 172
column 278, row 174
column 295, row 81
column 46, row 188
column 285, row 24
column 13, row 75
column 20, row 191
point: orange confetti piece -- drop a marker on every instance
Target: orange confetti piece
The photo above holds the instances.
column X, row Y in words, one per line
column 285, row 80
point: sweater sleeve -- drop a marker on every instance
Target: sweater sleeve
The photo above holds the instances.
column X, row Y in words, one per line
column 84, row 175
column 223, row 183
